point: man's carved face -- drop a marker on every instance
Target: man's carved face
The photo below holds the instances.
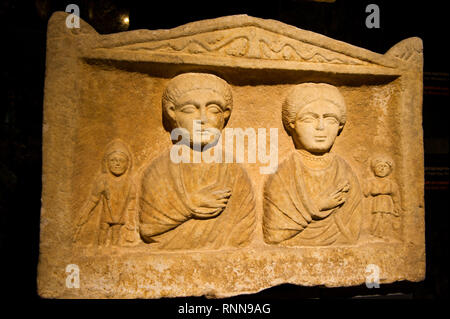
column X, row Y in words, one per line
column 117, row 163
column 316, row 126
column 205, row 106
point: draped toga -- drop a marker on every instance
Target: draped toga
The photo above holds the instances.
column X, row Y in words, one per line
column 166, row 219
column 290, row 203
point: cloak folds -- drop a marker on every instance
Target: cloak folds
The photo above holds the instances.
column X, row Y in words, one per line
column 289, row 205
column 165, row 211
column 114, row 203
column 384, row 194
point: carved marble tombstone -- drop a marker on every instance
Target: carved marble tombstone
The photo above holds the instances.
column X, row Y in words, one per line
column 227, row 156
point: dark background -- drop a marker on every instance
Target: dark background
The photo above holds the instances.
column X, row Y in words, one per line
column 23, row 27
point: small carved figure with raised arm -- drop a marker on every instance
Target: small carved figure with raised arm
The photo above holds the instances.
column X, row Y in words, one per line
column 385, row 203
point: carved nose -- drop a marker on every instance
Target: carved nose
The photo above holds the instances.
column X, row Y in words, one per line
column 320, row 125
column 203, row 117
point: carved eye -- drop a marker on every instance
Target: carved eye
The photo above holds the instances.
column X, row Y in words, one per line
column 188, row 109
column 308, row 119
column 214, row 108
column 331, row 120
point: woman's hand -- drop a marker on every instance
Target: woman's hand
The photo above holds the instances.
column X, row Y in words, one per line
column 328, row 201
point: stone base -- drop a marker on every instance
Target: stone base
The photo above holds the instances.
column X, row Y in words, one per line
column 139, row 273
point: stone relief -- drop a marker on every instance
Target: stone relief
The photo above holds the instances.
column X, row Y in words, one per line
column 197, row 228
column 314, row 199
column 409, row 50
column 196, row 205
column 114, row 197
column 262, row 44
column 385, row 200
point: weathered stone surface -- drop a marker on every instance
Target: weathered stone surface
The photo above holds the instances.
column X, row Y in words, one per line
column 346, row 190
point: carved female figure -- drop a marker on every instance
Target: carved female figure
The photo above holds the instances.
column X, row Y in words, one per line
column 114, row 193
column 196, row 204
column 385, row 199
column 314, row 197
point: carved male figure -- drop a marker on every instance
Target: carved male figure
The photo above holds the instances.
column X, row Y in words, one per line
column 115, row 194
column 196, row 205
column 314, row 197
column 385, row 196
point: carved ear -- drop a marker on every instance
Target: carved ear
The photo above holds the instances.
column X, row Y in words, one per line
column 171, row 112
column 226, row 116
column 289, row 128
column 341, row 127
column 169, row 118
column 172, row 116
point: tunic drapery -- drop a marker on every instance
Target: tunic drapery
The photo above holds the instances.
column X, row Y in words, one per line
column 166, row 213
column 384, row 193
column 290, row 205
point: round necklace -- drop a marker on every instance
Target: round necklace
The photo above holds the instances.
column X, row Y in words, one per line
column 317, row 162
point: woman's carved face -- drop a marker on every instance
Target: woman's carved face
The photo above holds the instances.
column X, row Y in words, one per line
column 202, row 114
column 316, row 127
column 382, row 169
column 117, row 163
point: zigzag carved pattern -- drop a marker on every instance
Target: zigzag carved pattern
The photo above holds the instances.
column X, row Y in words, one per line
column 287, row 51
column 236, row 47
column 257, row 43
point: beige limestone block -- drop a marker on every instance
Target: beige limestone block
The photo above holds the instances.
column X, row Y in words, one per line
column 128, row 213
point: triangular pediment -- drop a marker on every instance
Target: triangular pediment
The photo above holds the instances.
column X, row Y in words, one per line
column 248, row 42
column 242, row 39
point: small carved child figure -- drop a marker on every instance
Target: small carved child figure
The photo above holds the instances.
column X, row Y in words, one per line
column 385, row 200
column 115, row 193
